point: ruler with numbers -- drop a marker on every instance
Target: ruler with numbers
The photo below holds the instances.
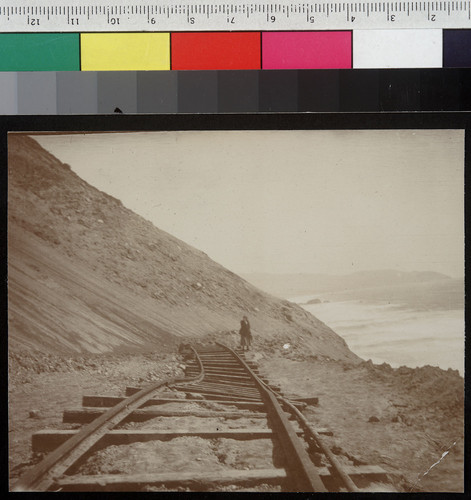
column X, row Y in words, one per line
column 26, row 16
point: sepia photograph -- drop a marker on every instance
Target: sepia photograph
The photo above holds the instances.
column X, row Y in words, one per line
column 236, row 310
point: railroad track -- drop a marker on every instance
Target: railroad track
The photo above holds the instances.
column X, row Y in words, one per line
column 221, row 389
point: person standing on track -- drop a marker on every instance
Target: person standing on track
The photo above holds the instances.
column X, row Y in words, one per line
column 245, row 333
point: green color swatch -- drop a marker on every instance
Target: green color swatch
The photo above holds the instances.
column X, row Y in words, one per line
column 39, row 52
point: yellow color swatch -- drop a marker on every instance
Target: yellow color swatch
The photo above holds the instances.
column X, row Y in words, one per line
column 124, row 51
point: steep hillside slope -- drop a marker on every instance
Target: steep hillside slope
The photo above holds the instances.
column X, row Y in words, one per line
column 88, row 275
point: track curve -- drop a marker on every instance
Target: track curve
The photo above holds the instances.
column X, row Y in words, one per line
column 215, row 374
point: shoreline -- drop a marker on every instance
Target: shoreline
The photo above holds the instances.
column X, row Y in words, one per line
column 391, row 333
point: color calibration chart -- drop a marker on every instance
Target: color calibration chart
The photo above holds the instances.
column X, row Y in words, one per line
column 156, row 35
column 216, row 56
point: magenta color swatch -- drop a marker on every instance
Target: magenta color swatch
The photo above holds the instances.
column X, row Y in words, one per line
column 307, row 50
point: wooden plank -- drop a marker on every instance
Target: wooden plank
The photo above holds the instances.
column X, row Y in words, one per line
column 215, row 384
column 227, row 369
column 216, row 355
column 226, row 390
column 215, row 379
column 213, row 394
column 228, row 386
column 220, row 365
column 195, row 480
column 232, row 361
column 229, row 377
column 226, row 361
column 213, row 348
column 86, row 415
column 48, row 440
column 132, row 390
column 207, row 389
column 208, row 379
column 229, row 391
column 107, row 401
column 230, row 371
column 356, row 470
column 228, row 382
column 312, row 401
column 218, row 359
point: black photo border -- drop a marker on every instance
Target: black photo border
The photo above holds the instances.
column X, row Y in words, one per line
column 219, row 122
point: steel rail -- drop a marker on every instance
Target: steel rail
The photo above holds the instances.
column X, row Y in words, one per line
column 349, row 484
column 42, row 476
column 300, row 469
column 49, row 475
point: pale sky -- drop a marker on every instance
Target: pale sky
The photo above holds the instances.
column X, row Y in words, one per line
column 331, row 202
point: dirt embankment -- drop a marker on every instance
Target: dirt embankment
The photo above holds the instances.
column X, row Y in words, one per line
column 409, row 421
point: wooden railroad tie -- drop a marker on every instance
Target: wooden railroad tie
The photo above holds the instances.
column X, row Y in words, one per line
column 48, row 440
column 85, row 415
column 131, row 482
column 218, row 395
column 218, row 385
column 109, row 401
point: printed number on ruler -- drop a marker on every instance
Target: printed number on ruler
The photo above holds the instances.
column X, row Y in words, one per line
column 217, row 15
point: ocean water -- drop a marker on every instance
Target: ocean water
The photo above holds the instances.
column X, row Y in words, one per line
column 395, row 334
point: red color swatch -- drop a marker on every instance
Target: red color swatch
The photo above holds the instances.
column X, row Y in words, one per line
column 307, row 50
column 214, row 51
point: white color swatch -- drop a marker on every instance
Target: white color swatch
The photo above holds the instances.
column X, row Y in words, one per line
column 407, row 48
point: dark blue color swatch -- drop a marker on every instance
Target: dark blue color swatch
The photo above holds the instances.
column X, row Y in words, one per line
column 457, row 48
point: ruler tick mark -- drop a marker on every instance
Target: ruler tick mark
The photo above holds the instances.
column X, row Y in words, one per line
column 251, row 15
